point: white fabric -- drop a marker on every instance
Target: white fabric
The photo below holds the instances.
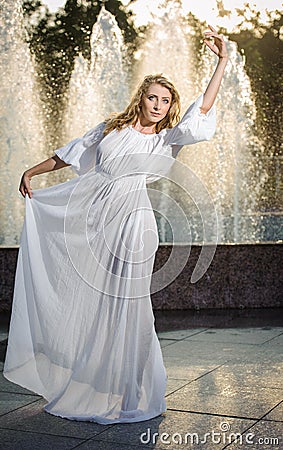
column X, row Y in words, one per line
column 82, row 329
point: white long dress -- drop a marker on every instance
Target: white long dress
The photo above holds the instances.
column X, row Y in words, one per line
column 82, row 328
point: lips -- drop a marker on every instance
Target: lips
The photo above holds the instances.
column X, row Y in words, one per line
column 155, row 114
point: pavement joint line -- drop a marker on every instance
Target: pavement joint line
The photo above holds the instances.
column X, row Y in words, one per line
column 81, row 443
column 178, row 389
column 181, row 339
column 271, row 420
column 256, row 422
column 229, row 343
column 88, row 440
column 271, row 339
column 268, row 340
column 115, row 441
column 242, row 433
column 271, row 409
column 198, row 332
column 170, row 343
column 39, row 432
column 110, row 442
column 213, row 414
column 20, row 407
column 49, row 434
column 107, row 427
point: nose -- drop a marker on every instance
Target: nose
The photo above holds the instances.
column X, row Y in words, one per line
column 157, row 105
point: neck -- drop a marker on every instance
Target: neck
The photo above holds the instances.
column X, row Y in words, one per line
column 144, row 126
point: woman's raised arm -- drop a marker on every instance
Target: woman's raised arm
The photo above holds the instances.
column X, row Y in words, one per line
column 53, row 163
column 218, row 47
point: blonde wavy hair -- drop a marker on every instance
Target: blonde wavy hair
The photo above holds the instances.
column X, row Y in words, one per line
column 130, row 115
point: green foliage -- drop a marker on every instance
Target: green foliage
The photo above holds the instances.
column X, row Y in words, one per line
column 262, row 45
column 56, row 39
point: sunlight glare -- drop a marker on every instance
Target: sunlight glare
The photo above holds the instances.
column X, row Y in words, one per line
column 205, row 10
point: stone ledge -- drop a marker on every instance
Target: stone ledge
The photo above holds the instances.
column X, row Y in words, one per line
column 240, row 276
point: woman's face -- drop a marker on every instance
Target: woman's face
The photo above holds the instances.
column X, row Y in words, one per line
column 155, row 103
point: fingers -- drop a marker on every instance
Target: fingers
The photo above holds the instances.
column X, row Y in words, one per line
column 208, row 43
column 212, row 29
column 213, row 33
column 28, row 191
column 24, row 190
column 25, row 187
column 215, row 42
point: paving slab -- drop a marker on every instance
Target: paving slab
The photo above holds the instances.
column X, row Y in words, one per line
column 230, row 377
column 33, row 418
column 276, row 414
column 21, row 440
column 195, row 352
column 165, row 342
column 169, row 431
column 180, row 334
column 102, row 445
column 262, row 435
column 277, row 341
column 8, row 386
column 256, row 374
column 182, row 369
column 212, row 395
column 238, row 335
column 174, row 384
column 10, row 401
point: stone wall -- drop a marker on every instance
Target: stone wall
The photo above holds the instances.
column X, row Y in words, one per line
column 240, row 276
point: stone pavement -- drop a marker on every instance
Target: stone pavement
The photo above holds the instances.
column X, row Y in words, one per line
column 224, row 381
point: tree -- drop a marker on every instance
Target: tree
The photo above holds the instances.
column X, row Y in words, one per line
column 262, row 45
column 56, row 39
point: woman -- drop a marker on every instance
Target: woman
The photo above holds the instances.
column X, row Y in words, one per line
column 82, row 329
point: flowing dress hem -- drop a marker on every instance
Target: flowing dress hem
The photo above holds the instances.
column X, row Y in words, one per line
column 90, row 418
column 9, row 377
column 104, row 421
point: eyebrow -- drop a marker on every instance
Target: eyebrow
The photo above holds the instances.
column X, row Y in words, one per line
column 157, row 96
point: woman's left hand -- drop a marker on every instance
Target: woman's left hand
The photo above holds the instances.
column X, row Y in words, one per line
column 218, row 45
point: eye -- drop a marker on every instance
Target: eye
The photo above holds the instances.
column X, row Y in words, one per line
column 166, row 101
column 151, row 97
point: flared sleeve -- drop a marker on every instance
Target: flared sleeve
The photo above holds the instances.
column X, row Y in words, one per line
column 193, row 127
column 80, row 153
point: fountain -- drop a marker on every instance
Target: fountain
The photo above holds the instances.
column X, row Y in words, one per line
column 99, row 86
column 22, row 131
column 226, row 165
column 229, row 166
